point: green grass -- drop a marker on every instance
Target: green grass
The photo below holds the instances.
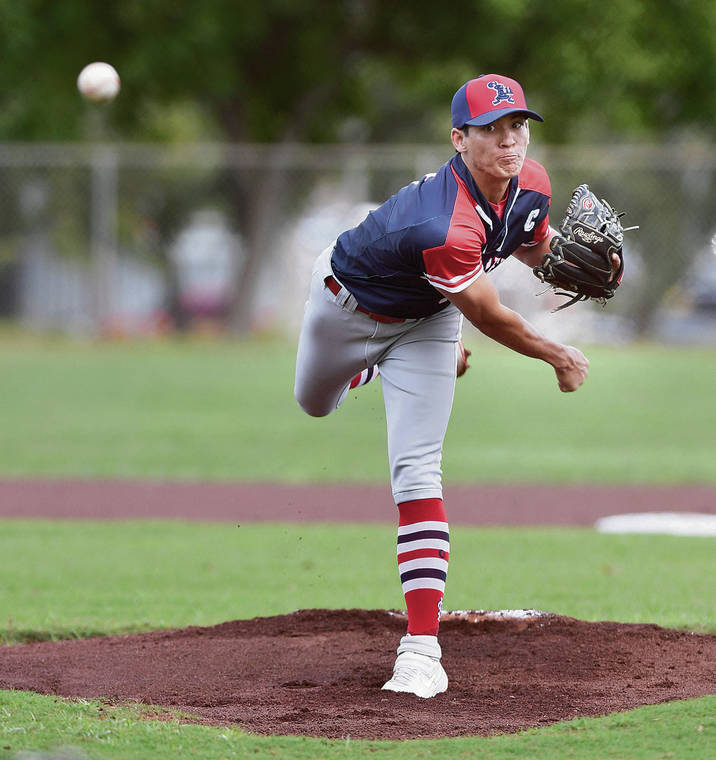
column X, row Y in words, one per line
column 60, row 579
column 145, row 575
column 225, row 411
column 681, row 730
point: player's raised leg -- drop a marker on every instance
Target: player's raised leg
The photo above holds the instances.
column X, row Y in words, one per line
column 331, row 353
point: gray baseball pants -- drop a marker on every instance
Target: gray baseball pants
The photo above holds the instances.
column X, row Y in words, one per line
column 417, row 359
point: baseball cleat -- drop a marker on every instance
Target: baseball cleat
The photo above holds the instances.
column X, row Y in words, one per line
column 417, row 674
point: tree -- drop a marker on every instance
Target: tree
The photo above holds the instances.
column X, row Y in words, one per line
column 285, row 71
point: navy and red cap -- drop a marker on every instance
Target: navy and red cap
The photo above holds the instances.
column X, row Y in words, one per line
column 486, row 99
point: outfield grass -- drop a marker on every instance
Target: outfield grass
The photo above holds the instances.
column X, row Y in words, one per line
column 224, row 411
column 62, row 579
column 682, row 730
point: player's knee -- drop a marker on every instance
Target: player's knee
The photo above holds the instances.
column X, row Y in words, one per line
column 313, row 407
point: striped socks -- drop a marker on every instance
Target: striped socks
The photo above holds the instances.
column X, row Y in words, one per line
column 364, row 377
column 423, row 554
column 360, row 379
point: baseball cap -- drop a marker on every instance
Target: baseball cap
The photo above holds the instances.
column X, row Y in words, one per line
column 486, row 99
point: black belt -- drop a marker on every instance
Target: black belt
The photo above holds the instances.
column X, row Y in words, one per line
column 335, row 288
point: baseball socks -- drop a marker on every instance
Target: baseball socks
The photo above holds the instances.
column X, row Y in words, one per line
column 423, row 554
column 362, row 378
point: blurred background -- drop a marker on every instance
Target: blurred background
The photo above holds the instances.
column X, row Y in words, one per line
column 247, row 135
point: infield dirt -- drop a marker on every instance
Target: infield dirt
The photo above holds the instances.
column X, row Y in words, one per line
column 526, row 504
column 319, row 673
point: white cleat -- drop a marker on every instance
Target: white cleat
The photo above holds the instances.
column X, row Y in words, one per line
column 417, row 673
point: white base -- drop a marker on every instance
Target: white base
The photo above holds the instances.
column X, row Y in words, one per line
column 670, row 523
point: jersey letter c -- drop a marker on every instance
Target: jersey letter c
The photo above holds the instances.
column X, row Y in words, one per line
column 530, row 221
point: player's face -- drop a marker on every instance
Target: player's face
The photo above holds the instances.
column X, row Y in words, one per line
column 494, row 153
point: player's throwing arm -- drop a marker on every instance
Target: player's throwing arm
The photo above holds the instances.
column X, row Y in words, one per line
column 480, row 303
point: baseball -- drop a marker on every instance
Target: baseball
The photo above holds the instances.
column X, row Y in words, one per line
column 98, row 82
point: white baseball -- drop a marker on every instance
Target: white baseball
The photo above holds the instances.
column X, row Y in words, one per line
column 98, row 82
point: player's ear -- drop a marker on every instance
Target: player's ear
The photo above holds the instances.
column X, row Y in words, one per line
column 458, row 140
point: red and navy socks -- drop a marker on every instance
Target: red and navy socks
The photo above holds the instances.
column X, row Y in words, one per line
column 423, row 554
column 362, row 378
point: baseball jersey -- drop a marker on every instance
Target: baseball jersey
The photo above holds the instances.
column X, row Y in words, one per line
column 439, row 231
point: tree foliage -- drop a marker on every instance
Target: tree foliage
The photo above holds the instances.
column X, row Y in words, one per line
column 281, row 71
column 298, row 69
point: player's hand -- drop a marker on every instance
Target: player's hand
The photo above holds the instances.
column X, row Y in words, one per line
column 463, row 354
column 616, row 263
column 571, row 369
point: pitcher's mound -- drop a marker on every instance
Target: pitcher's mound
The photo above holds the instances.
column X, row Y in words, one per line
column 319, row 672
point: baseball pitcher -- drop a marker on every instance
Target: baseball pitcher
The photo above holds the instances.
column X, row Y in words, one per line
column 388, row 298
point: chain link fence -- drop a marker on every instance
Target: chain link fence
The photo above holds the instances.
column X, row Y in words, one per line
column 135, row 239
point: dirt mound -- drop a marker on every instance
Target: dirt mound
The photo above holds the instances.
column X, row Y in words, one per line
column 319, row 672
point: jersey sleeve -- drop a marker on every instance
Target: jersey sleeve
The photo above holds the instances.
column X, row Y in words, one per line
column 452, row 268
column 457, row 263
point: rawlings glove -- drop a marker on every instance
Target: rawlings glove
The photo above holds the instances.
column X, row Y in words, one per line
column 580, row 260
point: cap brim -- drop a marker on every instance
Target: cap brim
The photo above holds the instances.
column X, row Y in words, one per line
column 490, row 116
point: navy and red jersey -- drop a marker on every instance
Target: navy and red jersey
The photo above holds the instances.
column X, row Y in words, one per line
column 438, row 231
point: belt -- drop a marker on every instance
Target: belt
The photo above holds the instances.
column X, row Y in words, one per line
column 335, row 288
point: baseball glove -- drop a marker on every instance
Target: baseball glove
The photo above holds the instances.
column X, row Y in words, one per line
column 580, row 261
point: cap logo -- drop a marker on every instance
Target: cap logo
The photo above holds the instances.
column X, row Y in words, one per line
column 503, row 93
